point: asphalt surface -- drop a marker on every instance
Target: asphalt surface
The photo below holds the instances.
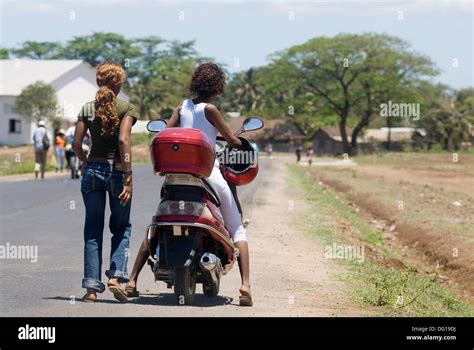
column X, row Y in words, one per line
column 49, row 214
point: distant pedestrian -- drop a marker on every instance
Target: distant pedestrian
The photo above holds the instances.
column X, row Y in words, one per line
column 309, row 153
column 69, row 140
column 298, row 151
column 59, row 145
column 269, row 149
column 41, row 144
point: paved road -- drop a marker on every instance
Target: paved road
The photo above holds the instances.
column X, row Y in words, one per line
column 49, row 214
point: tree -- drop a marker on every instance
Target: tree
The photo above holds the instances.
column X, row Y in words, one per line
column 4, row 53
column 242, row 92
column 352, row 74
column 39, row 50
column 160, row 75
column 268, row 91
column 448, row 115
column 99, row 47
column 36, row 101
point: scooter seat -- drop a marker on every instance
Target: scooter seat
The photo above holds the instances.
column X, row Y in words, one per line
column 212, row 192
column 186, row 187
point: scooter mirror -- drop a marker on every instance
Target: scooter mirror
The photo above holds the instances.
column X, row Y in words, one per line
column 156, row 125
column 252, row 123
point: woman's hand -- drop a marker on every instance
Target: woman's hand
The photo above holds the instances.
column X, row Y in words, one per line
column 83, row 165
column 126, row 194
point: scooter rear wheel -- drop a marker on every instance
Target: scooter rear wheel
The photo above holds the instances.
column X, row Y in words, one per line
column 210, row 288
column 184, row 286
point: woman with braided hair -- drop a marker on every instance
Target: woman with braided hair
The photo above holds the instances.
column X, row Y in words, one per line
column 107, row 170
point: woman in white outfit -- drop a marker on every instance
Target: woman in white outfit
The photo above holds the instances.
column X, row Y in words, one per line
column 207, row 83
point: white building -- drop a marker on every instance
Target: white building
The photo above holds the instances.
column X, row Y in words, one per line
column 73, row 81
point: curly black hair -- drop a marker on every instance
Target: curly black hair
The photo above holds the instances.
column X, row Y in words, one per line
column 207, row 80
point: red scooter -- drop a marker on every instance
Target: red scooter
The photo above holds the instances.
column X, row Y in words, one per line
column 187, row 239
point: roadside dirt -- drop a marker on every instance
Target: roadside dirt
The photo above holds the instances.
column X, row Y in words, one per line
column 291, row 276
column 461, row 181
column 433, row 251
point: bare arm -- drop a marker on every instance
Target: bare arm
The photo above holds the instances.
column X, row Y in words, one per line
column 79, row 133
column 125, row 145
column 173, row 122
column 216, row 119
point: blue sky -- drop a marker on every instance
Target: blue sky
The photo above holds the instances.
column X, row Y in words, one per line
column 246, row 32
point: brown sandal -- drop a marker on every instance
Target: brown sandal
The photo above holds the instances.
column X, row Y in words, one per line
column 245, row 299
column 117, row 291
column 132, row 292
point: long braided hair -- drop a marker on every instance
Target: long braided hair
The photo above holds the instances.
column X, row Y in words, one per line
column 109, row 77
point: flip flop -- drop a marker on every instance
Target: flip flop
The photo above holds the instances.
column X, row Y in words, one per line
column 132, row 292
column 245, row 299
column 118, row 292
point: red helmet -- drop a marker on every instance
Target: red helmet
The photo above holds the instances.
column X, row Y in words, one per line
column 239, row 167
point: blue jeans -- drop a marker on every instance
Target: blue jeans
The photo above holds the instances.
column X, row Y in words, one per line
column 59, row 157
column 98, row 179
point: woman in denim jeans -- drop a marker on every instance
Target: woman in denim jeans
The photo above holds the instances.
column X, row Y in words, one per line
column 107, row 170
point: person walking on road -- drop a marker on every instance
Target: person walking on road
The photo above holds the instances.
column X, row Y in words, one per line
column 309, row 153
column 298, row 151
column 59, row 145
column 107, row 170
column 41, row 144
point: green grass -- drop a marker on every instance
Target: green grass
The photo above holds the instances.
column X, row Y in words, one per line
column 393, row 292
column 142, row 139
column 25, row 167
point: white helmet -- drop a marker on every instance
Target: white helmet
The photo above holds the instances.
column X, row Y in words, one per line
column 41, row 123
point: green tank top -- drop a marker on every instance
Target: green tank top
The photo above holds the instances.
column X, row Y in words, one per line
column 105, row 146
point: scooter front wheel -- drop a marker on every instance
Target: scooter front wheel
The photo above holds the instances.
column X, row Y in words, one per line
column 184, row 286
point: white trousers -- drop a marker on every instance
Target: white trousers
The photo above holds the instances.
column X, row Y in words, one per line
column 228, row 208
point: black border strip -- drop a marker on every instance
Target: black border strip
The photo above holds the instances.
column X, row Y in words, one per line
column 374, row 331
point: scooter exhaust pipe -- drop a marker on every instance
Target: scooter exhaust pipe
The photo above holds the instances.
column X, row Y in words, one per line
column 209, row 261
column 211, row 264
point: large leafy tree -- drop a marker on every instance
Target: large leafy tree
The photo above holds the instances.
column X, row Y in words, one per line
column 36, row 101
column 349, row 76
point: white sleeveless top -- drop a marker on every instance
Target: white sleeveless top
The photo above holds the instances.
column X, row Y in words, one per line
column 193, row 116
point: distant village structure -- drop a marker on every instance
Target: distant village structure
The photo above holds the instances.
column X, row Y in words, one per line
column 74, row 84
column 285, row 136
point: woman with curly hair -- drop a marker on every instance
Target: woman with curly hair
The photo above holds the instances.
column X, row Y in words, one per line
column 108, row 169
column 207, row 83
